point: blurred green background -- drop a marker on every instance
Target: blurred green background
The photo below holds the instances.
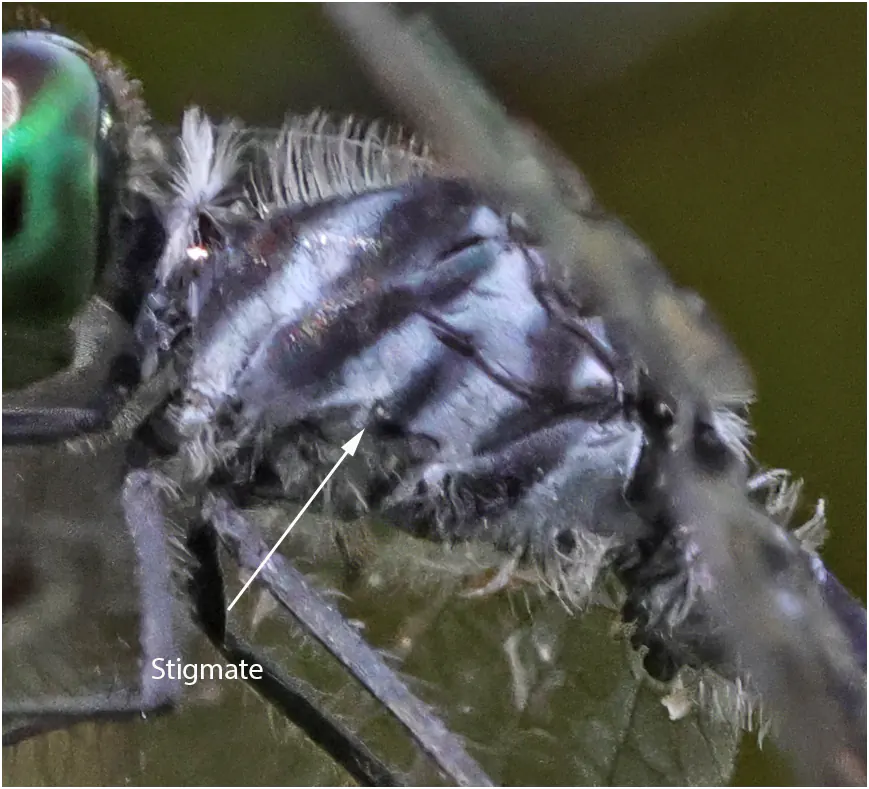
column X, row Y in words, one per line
column 732, row 138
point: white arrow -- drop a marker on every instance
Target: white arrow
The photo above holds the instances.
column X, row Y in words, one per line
column 349, row 449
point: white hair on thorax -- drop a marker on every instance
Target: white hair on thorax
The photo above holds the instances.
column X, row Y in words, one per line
column 222, row 167
column 734, row 430
column 202, row 181
column 317, row 157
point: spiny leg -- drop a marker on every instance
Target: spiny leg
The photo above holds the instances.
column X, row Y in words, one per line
column 112, row 416
column 290, row 588
column 34, row 426
column 281, row 690
column 78, row 398
column 143, row 514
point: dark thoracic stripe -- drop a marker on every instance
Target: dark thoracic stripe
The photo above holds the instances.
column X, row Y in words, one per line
column 288, row 309
column 565, row 475
column 338, row 275
column 413, row 312
column 429, row 327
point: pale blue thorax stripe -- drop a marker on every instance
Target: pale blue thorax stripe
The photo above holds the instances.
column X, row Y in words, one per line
column 325, row 250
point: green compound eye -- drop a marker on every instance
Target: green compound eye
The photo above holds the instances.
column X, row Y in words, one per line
column 53, row 123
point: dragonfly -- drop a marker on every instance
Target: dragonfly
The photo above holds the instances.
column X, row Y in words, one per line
column 538, row 631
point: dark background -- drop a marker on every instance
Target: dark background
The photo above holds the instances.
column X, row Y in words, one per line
column 731, row 138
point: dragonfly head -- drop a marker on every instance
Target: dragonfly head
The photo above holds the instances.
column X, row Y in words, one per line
column 62, row 159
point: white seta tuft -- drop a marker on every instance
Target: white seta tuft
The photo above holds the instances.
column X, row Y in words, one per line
column 734, row 431
column 781, row 499
column 311, row 159
column 209, row 158
column 316, row 157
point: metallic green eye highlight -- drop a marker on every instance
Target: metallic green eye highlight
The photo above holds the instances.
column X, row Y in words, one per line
column 50, row 177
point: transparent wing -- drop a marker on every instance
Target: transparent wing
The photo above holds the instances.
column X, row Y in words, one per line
column 779, row 630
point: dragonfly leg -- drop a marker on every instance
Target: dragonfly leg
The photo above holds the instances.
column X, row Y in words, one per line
column 33, row 426
column 143, row 513
column 286, row 693
column 325, row 623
